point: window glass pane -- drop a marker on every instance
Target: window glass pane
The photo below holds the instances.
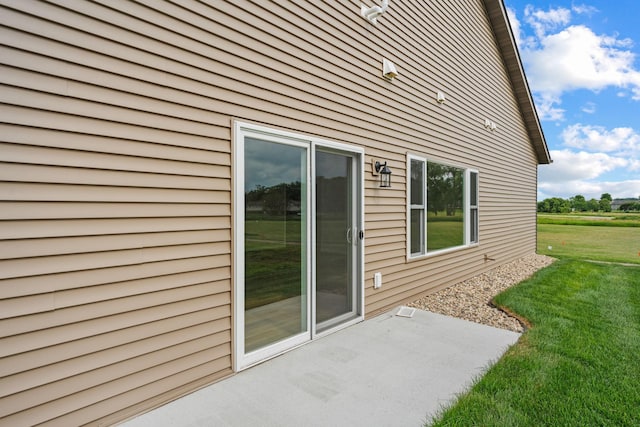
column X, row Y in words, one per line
column 474, row 225
column 416, row 231
column 334, row 248
column 275, row 242
column 445, row 218
column 473, row 188
column 417, row 182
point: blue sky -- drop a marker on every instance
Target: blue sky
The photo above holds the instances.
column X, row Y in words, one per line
column 582, row 61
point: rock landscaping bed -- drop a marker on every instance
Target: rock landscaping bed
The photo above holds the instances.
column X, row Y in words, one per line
column 470, row 300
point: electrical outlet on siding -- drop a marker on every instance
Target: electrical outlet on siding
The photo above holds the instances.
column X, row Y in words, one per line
column 377, row 280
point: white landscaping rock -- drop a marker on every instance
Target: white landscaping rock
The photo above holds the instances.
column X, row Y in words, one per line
column 470, row 300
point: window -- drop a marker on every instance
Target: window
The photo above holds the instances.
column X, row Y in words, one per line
column 473, row 207
column 418, row 206
column 443, row 206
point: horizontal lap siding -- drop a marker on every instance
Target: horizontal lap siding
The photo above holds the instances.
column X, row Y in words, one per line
column 115, row 215
column 453, row 52
column 115, row 226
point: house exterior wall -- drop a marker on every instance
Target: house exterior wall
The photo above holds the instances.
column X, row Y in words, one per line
column 116, row 203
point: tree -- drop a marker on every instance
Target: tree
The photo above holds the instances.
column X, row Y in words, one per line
column 445, row 187
column 593, row 205
column 630, row 207
column 554, row 205
column 559, row 205
column 544, row 206
column 606, row 196
column 605, row 204
column 579, row 203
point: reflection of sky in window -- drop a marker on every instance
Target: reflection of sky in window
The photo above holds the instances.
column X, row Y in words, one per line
column 269, row 163
column 331, row 165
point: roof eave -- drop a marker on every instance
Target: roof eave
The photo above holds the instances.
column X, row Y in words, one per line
column 507, row 44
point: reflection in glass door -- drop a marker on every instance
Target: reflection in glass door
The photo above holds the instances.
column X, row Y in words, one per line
column 336, row 237
column 298, row 253
column 275, row 242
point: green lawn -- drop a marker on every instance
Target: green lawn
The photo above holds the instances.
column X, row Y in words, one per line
column 602, row 243
column 579, row 363
column 444, row 231
column 273, row 259
column 602, row 219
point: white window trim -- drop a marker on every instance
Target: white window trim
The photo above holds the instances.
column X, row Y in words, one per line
column 466, row 208
column 410, row 207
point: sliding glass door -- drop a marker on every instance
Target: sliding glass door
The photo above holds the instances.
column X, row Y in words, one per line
column 275, row 242
column 298, row 241
column 336, row 239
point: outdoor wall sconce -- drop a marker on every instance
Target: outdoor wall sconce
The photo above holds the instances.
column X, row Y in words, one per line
column 389, row 69
column 373, row 13
column 440, row 98
column 384, row 172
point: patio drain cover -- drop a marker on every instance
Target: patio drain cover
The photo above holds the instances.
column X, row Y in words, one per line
column 406, row 312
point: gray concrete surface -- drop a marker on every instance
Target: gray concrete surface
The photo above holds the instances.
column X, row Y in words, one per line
column 386, row 371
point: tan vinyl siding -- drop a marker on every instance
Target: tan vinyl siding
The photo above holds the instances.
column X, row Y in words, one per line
column 116, row 163
column 115, row 261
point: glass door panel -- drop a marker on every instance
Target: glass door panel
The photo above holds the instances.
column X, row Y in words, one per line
column 335, row 297
column 275, row 242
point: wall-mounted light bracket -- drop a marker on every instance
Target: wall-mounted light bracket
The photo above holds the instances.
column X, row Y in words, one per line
column 384, row 172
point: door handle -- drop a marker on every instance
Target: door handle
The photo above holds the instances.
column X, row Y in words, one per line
column 361, row 234
column 349, row 235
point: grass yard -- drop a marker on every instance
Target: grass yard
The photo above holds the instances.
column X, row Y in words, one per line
column 608, row 219
column 444, row 231
column 577, row 366
column 273, row 259
column 599, row 243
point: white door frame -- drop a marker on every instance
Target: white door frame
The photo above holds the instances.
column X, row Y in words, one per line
column 357, row 155
column 240, row 131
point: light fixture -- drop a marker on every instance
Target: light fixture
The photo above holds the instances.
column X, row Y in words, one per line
column 385, row 174
column 440, row 98
column 389, row 69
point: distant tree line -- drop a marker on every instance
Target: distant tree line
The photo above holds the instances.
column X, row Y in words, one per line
column 279, row 199
column 630, row 207
column 577, row 203
column 445, row 186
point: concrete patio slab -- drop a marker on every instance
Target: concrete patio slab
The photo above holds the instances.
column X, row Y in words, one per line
column 386, row 371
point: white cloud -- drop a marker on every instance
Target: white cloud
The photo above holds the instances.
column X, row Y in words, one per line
column 542, row 21
column 546, row 105
column 589, row 108
column 515, row 25
column 560, row 57
column 569, row 165
column 589, row 189
column 624, row 141
column 577, row 172
column 583, row 9
column 577, row 58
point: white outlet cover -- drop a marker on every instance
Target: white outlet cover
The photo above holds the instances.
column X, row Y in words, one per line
column 377, row 280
